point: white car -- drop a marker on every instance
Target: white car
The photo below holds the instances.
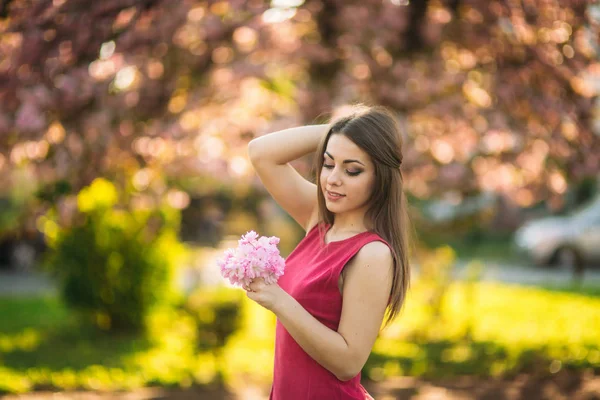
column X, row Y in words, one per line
column 570, row 241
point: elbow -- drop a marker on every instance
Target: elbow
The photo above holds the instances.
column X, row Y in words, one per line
column 349, row 365
column 253, row 151
column 343, row 378
column 348, row 372
column 346, row 376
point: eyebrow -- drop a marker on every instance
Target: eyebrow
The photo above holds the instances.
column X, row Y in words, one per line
column 345, row 161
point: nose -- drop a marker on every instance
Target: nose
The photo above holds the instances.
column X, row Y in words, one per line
column 333, row 179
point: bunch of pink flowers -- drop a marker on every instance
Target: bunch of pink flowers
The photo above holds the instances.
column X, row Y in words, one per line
column 253, row 258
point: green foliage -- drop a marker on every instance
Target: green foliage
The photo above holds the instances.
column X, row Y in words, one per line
column 53, row 192
column 474, row 244
column 490, row 329
column 281, row 85
column 512, row 330
column 43, row 348
column 9, row 216
column 17, row 202
column 217, row 314
column 115, row 264
column 436, row 273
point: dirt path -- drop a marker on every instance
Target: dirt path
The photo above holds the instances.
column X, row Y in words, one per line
column 564, row 385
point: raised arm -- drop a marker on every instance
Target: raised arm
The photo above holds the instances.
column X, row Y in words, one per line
column 270, row 155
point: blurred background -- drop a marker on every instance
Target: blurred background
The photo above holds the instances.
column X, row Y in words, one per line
column 124, row 175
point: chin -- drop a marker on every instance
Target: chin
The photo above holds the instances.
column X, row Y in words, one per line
column 335, row 207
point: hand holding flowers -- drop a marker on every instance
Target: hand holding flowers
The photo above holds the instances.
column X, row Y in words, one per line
column 255, row 265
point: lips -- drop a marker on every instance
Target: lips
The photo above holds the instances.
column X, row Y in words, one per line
column 335, row 194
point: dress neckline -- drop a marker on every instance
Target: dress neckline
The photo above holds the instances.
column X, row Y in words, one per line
column 328, row 227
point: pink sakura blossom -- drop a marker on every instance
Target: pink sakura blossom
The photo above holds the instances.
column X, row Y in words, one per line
column 30, row 117
column 255, row 257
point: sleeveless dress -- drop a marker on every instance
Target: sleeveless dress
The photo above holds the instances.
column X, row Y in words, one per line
column 311, row 276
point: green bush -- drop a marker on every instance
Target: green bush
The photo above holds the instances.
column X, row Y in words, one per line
column 217, row 313
column 116, row 263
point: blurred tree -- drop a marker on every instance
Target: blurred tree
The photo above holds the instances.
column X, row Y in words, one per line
column 116, row 263
column 495, row 95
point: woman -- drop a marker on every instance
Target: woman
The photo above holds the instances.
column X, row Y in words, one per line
column 352, row 264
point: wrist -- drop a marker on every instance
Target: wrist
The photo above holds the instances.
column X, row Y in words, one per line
column 282, row 303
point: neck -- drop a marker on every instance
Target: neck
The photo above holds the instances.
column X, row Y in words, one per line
column 348, row 224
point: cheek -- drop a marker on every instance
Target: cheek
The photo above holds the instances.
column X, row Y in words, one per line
column 364, row 187
column 325, row 173
column 323, row 176
column 359, row 189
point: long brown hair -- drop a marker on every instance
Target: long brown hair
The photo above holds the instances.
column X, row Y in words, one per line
column 375, row 130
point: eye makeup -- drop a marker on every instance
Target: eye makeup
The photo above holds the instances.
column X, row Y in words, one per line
column 351, row 173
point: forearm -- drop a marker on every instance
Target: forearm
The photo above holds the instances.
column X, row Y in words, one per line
column 287, row 145
column 324, row 345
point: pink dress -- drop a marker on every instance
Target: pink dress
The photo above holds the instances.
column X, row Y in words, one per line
column 311, row 276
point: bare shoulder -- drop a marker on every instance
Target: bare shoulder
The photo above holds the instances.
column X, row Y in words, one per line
column 376, row 251
column 373, row 258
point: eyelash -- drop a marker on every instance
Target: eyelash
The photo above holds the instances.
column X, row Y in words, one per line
column 348, row 172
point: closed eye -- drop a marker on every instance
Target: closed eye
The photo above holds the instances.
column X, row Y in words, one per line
column 351, row 173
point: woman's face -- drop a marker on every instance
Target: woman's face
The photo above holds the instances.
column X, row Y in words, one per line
column 352, row 179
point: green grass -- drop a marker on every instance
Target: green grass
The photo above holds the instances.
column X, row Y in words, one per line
column 586, row 288
column 492, row 250
column 35, row 331
column 491, row 329
column 42, row 347
column 482, row 329
column 487, row 246
column 34, row 313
